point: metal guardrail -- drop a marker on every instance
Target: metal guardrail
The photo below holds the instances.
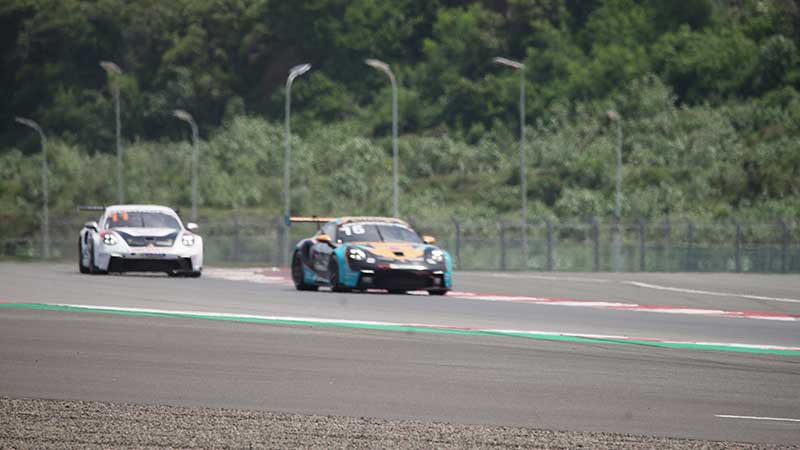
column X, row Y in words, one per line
column 588, row 245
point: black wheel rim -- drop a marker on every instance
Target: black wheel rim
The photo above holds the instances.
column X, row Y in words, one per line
column 297, row 270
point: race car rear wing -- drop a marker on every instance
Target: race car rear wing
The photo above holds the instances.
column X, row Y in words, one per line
column 91, row 208
column 312, row 219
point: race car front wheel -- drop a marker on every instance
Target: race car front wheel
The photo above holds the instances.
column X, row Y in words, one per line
column 81, row 267
column 437, row 291
column 333, row 271
column 92, row 267
column 297, row 275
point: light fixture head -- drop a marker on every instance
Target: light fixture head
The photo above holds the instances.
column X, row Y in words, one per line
column 508, row 62
column 110, row 67
column 26, row 122
column 298, row 70
column 377, row 64
column 182, row 115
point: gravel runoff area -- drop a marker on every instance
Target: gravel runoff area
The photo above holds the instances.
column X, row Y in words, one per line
column 60, row 424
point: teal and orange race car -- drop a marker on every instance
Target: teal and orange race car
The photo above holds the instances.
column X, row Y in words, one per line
column 360, row 253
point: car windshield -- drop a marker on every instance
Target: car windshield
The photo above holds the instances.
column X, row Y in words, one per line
column 139, row 219
column 377, row 232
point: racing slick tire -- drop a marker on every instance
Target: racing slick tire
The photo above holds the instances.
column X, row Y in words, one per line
column 333, row 271
column 397, row 291
column 93, row 268
column 81, row 267
column 192, row 274
column 437, row 291
column 297, row 275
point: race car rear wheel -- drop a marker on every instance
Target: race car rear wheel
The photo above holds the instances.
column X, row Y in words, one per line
column 81, row 267
column 297, row 275
column 333, row 271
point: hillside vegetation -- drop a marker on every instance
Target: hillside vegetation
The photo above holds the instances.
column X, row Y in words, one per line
column 707, row 91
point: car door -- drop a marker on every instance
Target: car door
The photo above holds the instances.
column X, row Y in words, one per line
column 321, row 251
column 89, row 240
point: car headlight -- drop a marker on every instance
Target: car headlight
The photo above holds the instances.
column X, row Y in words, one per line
column 437, row 255
column 109, row 239
column 187, row 240
column 356, row 254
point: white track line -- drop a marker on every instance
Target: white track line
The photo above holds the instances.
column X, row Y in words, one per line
column 775, row 419
column 551, row 278
column 716, row 294
column 644, row 285
column 617, row 306
column 211, row 314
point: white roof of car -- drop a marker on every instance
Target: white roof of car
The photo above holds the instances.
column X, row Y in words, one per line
column 141, row 208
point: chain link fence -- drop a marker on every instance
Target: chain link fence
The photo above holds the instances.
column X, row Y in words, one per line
column 589, row 245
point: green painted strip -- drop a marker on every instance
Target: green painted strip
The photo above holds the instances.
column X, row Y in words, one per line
column 403, row 328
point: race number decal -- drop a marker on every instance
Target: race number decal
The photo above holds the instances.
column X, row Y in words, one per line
column 353, row 229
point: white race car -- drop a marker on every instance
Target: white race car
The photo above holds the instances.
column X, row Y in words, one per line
column 139, row 238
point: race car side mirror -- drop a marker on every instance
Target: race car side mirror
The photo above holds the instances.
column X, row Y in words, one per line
column 91, row 225
column 324, row 238
column 191, row 226
column 428, row 239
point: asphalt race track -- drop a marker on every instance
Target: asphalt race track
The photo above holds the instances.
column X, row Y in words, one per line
column 698, row 356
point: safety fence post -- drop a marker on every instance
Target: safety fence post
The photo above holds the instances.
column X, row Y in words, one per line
column 549, row 245
column 458, row 242
column 738, row 245
column 595, row 233
column 690, row 266
column 641, row 245
column 502, row 246
column 784, row 247
column 282, row 232
column 237, row 245
column 667, row 252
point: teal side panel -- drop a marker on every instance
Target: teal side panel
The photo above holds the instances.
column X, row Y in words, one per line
column 347, row 277
column 448, row 273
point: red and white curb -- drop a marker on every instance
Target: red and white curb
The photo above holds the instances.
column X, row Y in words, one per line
column 269, row 275
column 625, row 306
column 279, row 276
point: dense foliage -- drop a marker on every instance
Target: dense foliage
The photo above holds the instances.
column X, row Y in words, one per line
column 707, row 91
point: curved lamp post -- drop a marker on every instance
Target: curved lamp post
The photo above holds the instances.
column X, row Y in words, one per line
column 45, row 195
column 113, row 71
column 383, row 67
column 186, row 117
column 294, row 72
column 523, row 178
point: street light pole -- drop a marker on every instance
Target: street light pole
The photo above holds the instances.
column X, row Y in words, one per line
column 113, row 71
column 523, row 177
column 294, row 72
column 382, row 66
column 613, row 116
column 186, row 117
column 45, row 194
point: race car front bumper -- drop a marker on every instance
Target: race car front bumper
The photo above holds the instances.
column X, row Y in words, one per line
column 175, row 264
column 402, row 279
column 150, row 262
